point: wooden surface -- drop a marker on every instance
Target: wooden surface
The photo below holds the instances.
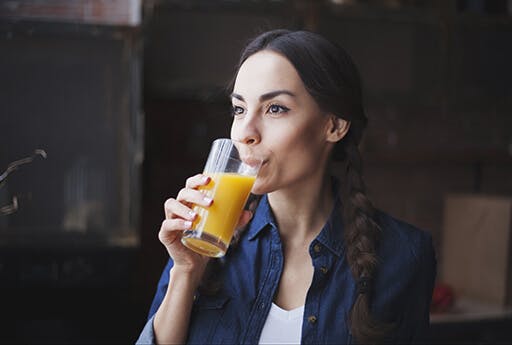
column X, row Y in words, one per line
column 111, row 12
column 466, row 310
column 476, row 247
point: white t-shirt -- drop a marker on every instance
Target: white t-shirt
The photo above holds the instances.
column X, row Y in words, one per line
column 282, row 326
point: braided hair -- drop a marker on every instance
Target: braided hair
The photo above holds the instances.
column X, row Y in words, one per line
column 332, row 79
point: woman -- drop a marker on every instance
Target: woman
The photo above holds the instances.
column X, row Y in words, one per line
column 316, row 263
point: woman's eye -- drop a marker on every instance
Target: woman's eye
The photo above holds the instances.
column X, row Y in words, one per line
column 236, row 110
column 277, row 109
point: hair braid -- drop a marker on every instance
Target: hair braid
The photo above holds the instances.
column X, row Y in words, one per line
column 361, row 238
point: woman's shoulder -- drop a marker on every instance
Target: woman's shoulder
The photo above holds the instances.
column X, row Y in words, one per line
column 404, row 240
column 405, row 277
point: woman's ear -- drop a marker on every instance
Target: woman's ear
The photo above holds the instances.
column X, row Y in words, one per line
column 337, row 128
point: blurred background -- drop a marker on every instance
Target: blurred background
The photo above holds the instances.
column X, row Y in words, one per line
column 106, row 106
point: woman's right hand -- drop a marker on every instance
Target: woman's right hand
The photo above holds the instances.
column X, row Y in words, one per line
column 179, row 216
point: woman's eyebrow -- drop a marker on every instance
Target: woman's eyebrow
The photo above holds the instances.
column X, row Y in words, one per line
column 237, row 96
column 265, row 96
column 272, row 94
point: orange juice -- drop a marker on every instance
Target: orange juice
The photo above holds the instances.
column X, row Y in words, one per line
column 216, row 224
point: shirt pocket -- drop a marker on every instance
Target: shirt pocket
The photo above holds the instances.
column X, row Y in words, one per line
column 207, row 302
column 207, row 312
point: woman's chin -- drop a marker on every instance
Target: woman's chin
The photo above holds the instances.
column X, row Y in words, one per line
column 260, row 188
column 257, row 191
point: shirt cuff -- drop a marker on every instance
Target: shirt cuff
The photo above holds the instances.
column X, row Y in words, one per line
column 147, row 336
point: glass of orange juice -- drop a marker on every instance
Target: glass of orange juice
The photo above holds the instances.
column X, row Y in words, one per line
column 231, row 181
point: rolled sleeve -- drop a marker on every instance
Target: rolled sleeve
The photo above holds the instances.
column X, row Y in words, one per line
column 161, row 289
column 147, row 336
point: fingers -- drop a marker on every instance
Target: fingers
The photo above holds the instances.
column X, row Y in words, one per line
column 194, row 196
column 181, row 207
column 245, row 218
column 197, row 181
column 171, row 230
column 175, row 209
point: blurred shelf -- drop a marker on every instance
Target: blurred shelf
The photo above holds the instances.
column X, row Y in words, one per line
column 47, row 238
column 480, row 21
column 115, row 13
column 382, row 12
column 467, row 310
column 457, row 156
column 11, row 28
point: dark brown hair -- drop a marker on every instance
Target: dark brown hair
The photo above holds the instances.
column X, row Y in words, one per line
column 332, row 79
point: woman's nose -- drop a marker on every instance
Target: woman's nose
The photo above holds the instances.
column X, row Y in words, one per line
column 249, row 140
column 246, row 131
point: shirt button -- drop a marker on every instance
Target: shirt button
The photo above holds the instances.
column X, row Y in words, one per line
column 317, row 248
column 262, row 305
column 312, row 319
column 323, row 269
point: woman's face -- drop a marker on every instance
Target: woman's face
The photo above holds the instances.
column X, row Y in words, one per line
column 276, row 120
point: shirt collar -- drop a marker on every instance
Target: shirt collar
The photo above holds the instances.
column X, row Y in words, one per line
column 331, row 235
column 262, row 217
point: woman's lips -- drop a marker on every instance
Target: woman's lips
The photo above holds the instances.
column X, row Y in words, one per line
column 253, row 161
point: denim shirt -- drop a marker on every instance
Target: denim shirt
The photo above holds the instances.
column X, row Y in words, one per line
column 402, row 288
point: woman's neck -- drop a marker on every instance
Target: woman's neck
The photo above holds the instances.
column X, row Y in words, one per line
column 301, row 212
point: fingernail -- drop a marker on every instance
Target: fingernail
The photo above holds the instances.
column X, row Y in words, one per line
column 187, row 224
column 208, row 200
column 191, row 214
column 206, row 179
